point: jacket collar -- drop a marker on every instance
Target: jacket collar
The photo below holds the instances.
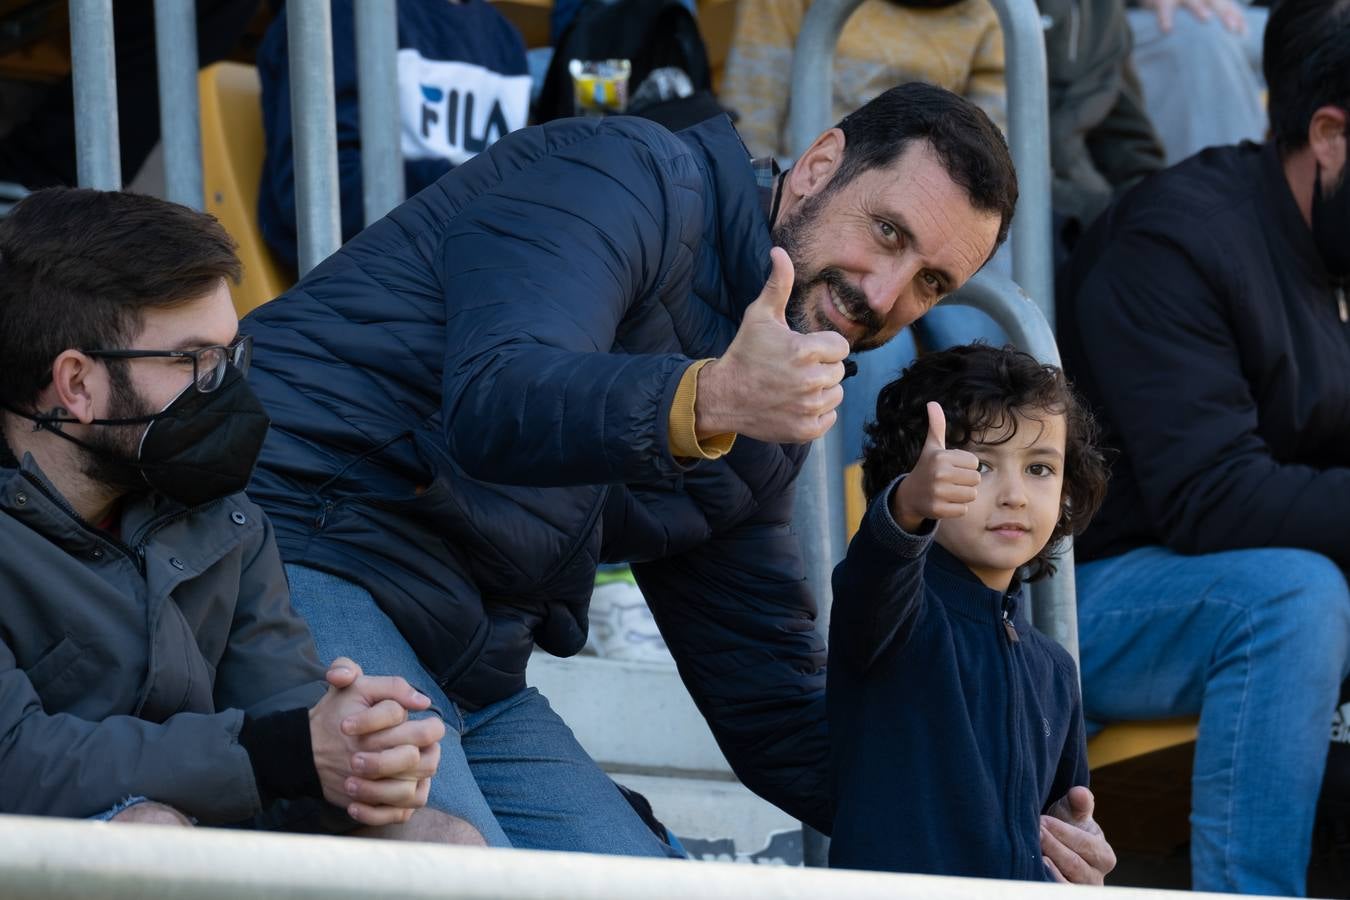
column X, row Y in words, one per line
column 28, row 495
column 1288, row 223
column 741, row 239
column 965, row 595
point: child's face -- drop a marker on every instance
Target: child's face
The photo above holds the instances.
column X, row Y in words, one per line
column 1017, row 505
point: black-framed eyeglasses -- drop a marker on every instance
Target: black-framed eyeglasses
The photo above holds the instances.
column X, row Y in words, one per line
column 208, row 363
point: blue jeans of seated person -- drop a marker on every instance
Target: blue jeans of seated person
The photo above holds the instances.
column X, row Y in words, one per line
column 1256, row 642
column 513, row 769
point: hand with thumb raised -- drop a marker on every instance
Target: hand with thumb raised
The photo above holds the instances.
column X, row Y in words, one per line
column 942, row 483
column 772, row 384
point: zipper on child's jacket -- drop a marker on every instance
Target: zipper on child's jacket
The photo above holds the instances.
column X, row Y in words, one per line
column 1022, row 855
column 1008, row 626
column 1341, row 305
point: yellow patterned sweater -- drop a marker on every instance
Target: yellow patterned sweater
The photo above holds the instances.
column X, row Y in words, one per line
column 959, row 47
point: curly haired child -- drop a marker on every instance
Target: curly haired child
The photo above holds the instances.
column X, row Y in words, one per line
column 954, row 725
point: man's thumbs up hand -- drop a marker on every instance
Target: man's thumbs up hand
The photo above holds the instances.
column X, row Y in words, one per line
column 771, row 304
column 942, row 483
column 772, row 384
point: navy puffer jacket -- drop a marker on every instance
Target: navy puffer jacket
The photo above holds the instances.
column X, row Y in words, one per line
column 470, row 408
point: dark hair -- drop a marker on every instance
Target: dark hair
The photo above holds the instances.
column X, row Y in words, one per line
column 1306, row 60
column 78, row 266
column 979, row 388
column 969, row 145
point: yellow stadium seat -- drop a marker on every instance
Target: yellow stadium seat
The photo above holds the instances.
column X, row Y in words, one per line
column 1127, row 740
column 232, row 160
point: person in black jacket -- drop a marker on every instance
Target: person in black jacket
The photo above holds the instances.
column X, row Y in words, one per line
column 955, row 726
column 1206, row 320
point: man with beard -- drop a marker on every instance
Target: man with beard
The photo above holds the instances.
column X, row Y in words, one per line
column 1206, row 318
column 565, row 352
column 151, row 667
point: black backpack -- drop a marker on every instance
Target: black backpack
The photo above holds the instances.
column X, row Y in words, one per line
column 650, row 34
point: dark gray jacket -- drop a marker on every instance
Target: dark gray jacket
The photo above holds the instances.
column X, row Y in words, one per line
column 126, row 666
column 1101, row 140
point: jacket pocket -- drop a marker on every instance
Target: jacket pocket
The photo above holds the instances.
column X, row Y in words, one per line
column 52, row 665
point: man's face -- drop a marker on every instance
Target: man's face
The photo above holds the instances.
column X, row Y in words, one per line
column 144, row 386
column 876, row 254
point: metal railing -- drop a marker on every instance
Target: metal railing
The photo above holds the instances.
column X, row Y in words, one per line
column 45, row 859
column 180, row 124
column 98, row 155
column 313, row 125
column 318, row 220
column 382, row 184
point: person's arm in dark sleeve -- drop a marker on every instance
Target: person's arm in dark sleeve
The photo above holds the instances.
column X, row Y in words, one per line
column 1159, row 346
column 878, row 588
column 540, row 270
column 739, row 618
column 270, row 663
column 270, row 669
column 61, row 765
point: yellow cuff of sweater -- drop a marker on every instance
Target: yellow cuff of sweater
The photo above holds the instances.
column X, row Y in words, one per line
column 684, row 441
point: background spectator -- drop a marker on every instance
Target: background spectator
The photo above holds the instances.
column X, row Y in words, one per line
column 463, row 84
column 1199, row 64
column 956, row 44
column 1205, row 317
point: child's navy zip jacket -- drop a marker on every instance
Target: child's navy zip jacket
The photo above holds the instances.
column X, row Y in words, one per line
column 953, row 724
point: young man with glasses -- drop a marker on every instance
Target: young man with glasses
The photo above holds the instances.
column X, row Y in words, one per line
column 151, row 667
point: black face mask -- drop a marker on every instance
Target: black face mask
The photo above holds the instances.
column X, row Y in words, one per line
column 199, row 448
column 1331, row 224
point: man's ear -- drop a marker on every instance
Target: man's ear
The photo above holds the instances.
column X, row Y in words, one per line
column 1327, row 141
column 76, row 382
column 814, row 169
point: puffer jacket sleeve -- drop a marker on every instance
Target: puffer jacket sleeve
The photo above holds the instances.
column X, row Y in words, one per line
column 60, row 765
column 738, row 616
column 270, row 663
column 540, row 273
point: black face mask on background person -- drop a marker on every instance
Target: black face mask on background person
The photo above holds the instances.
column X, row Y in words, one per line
column 1331, row 223
column 200, row 447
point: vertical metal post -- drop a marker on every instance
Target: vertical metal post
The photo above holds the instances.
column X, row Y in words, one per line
column 309, row 32
column 818, row 513
column 811, row 110
column 179, row 123
column 98, row 156
column 1029, row 141
column 377, row 71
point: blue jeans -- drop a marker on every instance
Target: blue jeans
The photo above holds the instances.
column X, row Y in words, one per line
column 513, row 769
column 118, row 808
column 1256, row 642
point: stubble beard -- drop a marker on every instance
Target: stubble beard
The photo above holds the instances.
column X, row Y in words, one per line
column 115, row 447
column 794, row 233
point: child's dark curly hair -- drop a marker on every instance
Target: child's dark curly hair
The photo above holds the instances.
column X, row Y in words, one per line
column 979, row 387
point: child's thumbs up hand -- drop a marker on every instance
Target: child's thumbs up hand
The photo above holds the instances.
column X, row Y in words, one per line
column 942, row 483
